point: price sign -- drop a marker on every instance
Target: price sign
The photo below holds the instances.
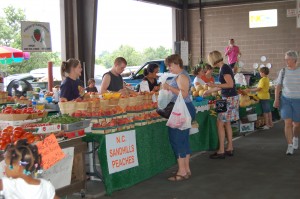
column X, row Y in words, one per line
column 50, row 151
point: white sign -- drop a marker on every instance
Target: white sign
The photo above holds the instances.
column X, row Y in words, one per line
column 144, row 86
column 263, row 18
column 247, row 127
column 36, row 36
column 184, row 52
column 291, row 12
column 60, row 174
column 298, row 13
column 121, row 151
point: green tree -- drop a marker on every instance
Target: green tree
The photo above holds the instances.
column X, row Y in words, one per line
column 10, row 32
column 132, row 56
column 158, row 53
column 10, row 35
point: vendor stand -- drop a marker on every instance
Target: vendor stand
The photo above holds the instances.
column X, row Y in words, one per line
column 28, row 123
column 154, row 151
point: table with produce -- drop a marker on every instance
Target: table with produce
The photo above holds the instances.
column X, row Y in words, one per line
column 20, row 120
column 250, row 109
column 133, row 138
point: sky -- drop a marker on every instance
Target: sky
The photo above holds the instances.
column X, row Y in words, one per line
column 119, row 22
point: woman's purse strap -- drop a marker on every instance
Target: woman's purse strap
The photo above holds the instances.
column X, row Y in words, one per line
column 282, row 77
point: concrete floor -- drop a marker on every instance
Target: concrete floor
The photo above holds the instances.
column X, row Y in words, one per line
column 260, row 169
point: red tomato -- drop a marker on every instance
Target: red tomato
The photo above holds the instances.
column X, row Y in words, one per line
column 3, row 146
column 31, row 140
column 18, row 128
column 18, row 111
column 5, row 135
column 17, row 133
column 7, row 140
column 29, row 135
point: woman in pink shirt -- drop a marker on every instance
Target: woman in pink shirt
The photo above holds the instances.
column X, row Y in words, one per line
column 232, row 51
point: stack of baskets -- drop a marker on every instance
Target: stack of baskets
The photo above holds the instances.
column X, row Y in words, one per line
column 82, row 106
column 123, row 102
column 3, row 97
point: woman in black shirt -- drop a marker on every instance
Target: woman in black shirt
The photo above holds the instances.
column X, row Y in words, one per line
column 150, row 75
column 70, row 88
column 229, row 93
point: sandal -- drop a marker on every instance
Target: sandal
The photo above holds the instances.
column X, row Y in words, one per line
column 177, row 178
column 189, row 174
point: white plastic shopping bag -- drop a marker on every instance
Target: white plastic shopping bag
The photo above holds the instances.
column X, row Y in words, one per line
column 180, row 117
column 164, row 96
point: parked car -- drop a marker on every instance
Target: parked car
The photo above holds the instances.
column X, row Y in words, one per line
column 135, row 78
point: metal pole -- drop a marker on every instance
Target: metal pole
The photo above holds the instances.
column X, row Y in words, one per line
column 84, row 78
column 50, row 76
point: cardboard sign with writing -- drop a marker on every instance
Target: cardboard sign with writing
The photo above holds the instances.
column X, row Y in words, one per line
column 61, row 168
column 121, row 151
column 50, row 151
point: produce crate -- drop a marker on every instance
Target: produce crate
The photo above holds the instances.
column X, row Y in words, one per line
column 76, row 125
column 50, row 128
column 13, row 117
column 74, row 134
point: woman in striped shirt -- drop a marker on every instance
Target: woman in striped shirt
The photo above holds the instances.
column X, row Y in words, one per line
column 289, row 102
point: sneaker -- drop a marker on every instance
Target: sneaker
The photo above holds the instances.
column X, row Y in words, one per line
column 290, row 150
column 265, row 127
column 295, row 142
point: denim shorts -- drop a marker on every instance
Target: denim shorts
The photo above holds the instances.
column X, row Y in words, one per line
column 265, row 105
column 290, row 109
column 179, row 139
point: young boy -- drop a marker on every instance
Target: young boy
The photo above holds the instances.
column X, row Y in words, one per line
column 264, row 96
column 91, row 86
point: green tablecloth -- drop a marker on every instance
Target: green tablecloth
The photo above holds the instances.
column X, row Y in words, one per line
column 154, row 151
column 258, row 109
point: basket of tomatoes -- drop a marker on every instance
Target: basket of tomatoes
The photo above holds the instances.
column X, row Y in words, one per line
column 12, row 134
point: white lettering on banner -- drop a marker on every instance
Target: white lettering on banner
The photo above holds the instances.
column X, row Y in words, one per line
column 121, row 151
column 36, row 36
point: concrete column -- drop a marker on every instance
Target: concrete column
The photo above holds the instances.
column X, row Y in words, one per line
column 78, row 25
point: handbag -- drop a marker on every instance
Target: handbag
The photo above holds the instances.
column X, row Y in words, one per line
column 166, row 112
column 221, row 106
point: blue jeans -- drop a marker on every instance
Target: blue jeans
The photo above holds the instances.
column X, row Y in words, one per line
column 179, row 139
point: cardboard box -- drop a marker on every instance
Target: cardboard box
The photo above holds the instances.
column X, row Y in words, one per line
column 246, row 127
column 44, row 129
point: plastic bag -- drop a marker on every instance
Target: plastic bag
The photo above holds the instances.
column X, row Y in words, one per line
column 180, row 117
column 164, row 96
column 239, row 78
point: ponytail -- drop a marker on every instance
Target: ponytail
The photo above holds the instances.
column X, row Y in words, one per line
column 67, row 65
column 63, row 69
column 145, row 72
